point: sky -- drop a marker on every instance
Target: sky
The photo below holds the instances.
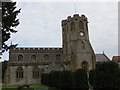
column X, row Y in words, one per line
column 40, row 24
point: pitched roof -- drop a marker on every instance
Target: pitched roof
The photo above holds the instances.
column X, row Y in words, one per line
column 101, row 58
column 116, row 58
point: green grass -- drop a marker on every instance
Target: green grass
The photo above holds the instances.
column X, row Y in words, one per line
column 38, row 86
column 32, row 86
column 9, row 86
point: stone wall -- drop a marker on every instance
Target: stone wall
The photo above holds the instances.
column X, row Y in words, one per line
column 76, row 45
column 38, row 52
column 44, row 67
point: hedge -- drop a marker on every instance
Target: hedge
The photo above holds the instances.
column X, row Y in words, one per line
column 80, row 79
column 105, row 75
column 66, row 79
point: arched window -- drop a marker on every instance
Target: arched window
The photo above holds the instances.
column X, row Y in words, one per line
column 84, row 65
column 46, row 57
column 36, row 72
column 19, row 73
column 58, row 57
column 33, row 58
column 72, row 26
column 81, row 25
column 20, row 57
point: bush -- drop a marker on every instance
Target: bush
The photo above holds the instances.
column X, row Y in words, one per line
column 51, row 79
column 54, row 79
column 80, row 79
column 66, row 80
column 91, row 77
column 45, row 79
column 106, row 75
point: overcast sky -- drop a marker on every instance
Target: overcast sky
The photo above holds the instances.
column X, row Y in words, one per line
column 40, row 24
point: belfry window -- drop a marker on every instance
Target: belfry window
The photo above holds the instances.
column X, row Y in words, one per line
column 19, row 73
column 46, row 57
column 72, row 26
column 58, row 57
column 85, row 66
column 36, row 72
column 33, row 58
column 20, row 57
column 81, row 25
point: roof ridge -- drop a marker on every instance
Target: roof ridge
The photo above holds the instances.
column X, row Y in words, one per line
column 106, row 56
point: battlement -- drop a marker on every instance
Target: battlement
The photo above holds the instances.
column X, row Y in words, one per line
column 34, row 49
column 75, row 17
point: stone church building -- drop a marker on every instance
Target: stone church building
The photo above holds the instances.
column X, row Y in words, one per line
column 27, row 64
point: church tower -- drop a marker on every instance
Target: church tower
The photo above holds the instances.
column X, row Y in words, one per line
column 76, row 45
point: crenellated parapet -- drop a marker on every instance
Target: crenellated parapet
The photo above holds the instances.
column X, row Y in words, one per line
column 35, row 54
column 75, row 17
column 30, row 49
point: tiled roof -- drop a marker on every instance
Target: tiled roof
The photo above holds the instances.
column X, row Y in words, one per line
column 101, row 58
column 116, row 58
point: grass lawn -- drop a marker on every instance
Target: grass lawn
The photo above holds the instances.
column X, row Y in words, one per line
column 38, row 86
column 9, row 86
column 32, row 86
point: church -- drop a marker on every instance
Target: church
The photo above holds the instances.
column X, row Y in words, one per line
column 26, row 65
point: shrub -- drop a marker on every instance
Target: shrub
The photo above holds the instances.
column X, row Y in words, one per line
column 80, row 79
column 106, row 75
column 91, row 77
column 56, row 78
column 45, row 79
column 66, row 80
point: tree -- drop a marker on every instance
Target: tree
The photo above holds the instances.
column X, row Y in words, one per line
column 66, row 80
column 55, row 78
column 80, row 80
column 106, row 75
column 9, row 22
column 91, row 77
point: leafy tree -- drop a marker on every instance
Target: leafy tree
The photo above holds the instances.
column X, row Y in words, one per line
column 66, row 80
column 45, row 78
column 9, row 22
column 55, row 79
column 91, row 77
column 80, row 80
column 106, row 75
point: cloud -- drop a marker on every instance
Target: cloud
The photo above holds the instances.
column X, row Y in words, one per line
column 41, row 24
